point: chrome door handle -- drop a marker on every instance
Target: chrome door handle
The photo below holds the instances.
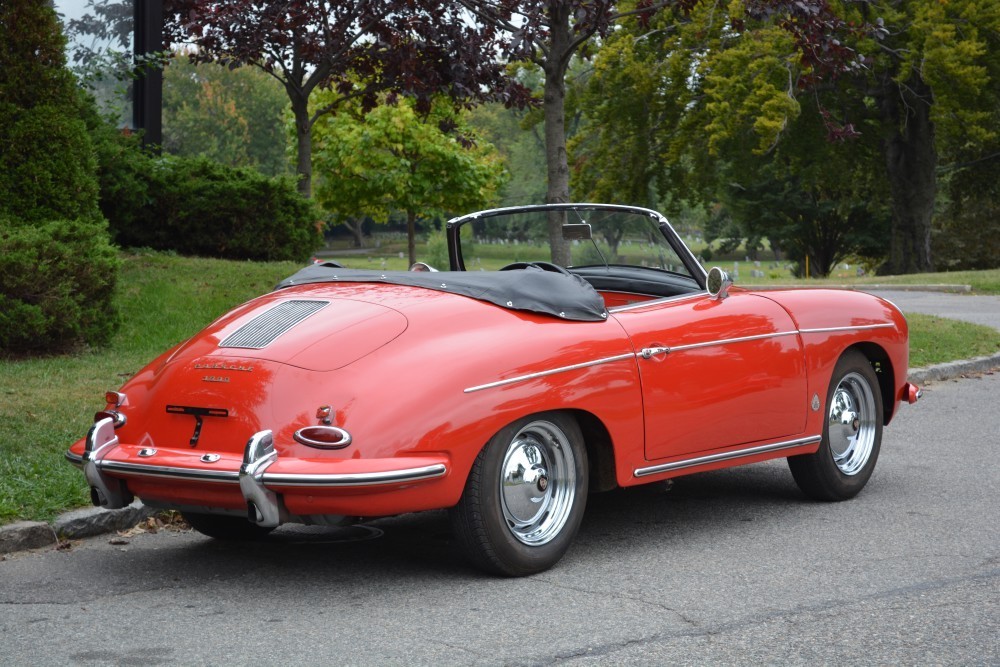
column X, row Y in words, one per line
column 650, row 352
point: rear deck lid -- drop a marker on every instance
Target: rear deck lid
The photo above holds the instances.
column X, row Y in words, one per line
column 313, row 332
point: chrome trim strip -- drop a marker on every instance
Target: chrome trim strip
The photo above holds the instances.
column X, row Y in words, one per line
column 222, row 476
column 553, row 371
column 860, row 327
column 358, row 479
column 75, row 459
column 319, row 480
column 668, row 350
column 726, row 341
column 653, row 302
column 725, row 456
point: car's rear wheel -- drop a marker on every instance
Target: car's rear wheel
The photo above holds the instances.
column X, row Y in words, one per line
column 223, row 527
column 525, row 496
column 852, row 434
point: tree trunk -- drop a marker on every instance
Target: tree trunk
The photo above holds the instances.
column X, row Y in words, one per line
column 356, row 225
column 303, row 141
column 411, row 232
column 911, row 161
column 553, row 106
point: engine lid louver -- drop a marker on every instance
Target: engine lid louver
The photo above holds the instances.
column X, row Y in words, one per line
column 262, row 330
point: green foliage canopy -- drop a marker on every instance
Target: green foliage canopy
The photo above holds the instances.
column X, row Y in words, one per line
column 233, row 116
column 726, row 102
column 394, row 159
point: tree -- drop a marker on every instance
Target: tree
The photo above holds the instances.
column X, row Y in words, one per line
column 359, row 48
column 905, row 79
column 57, row 267
column 518, row 139
column 934, row 79
column 548, row 33
column 612, row 157
column 393, row 159
column 967, row 233
column 233, row 116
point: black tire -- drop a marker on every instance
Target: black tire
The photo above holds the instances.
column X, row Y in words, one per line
column 223, row 527
column 852, row 434
column 526, row 525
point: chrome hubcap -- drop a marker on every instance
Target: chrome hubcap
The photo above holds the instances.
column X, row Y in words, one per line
column 851, row 425
column 537, row 483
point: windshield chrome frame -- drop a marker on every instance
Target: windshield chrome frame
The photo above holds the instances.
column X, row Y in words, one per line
column 453, row 227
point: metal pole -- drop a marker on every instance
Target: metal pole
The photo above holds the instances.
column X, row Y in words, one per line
column 147, row 92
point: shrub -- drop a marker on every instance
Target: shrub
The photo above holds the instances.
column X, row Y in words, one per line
column 57, row 267
column 199, row 207
column 47, row 165
column 56, row 283
column 123, row 170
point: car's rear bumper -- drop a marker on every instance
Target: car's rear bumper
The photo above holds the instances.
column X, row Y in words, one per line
column 269, row 488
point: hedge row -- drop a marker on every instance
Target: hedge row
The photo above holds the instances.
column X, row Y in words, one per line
column 195, row 206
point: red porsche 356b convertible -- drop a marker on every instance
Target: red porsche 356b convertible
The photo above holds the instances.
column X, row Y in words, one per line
column 504, row 389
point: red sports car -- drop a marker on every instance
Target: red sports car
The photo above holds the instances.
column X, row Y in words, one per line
column 568, row 349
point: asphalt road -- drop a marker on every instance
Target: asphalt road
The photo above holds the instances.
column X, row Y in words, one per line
column 730, row 567
column 979, row 309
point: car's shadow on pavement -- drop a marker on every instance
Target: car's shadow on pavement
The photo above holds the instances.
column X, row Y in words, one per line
column 650, row 516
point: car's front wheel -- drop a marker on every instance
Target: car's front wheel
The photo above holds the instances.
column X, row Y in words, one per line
column 223, row 527
column 852, row 434
column 525, row 496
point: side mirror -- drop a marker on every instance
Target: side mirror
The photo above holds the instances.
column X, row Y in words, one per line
column 718, row 283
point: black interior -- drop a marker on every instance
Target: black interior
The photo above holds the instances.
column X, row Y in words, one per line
column 637, row 280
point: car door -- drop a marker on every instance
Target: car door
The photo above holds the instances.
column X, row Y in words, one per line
column 716, row 373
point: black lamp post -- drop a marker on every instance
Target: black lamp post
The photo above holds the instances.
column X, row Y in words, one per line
column 147, row 91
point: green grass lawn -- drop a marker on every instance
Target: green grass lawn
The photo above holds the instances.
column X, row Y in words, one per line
column 934, row 340
column 46, row 404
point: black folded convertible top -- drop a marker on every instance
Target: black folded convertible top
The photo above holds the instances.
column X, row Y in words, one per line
column 568, row 297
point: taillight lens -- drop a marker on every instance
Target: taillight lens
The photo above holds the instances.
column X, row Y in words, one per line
column 323, row 437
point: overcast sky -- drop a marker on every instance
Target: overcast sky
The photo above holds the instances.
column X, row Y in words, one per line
column 71, row 9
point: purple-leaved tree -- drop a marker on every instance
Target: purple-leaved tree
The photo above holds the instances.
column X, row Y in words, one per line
column 360, row 48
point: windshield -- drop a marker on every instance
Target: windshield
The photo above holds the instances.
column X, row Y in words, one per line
column 573, row 237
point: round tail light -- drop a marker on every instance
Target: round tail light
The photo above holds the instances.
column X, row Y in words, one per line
column 323, row 437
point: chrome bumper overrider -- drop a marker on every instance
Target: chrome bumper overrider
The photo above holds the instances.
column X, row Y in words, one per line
column 264, row 506
column 104, row 491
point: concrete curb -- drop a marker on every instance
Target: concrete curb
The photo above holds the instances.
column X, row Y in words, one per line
column 26, row 535
column 73, row 525
column 92, row 521
column 953, row 369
